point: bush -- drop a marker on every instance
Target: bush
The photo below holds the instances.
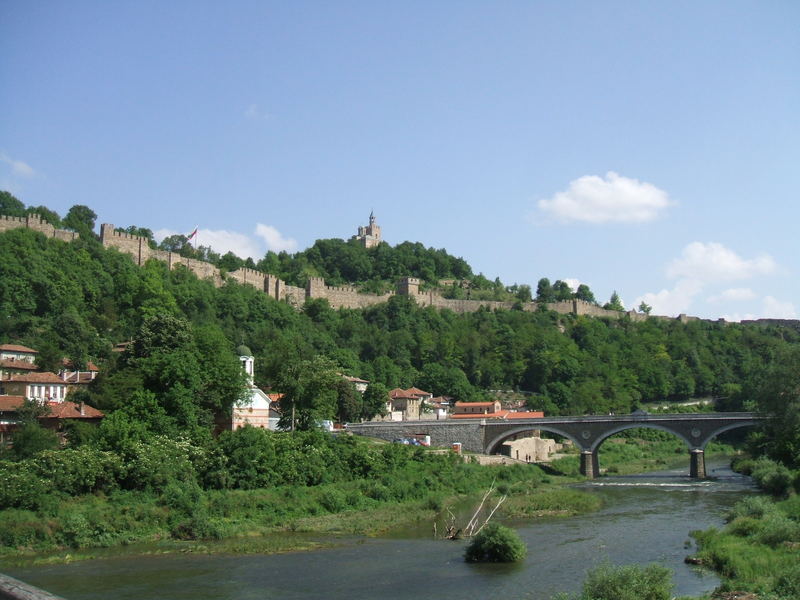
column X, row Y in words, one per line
column 78, row 471
column 787, row 585
column 772, row 477
column 775, row 529
column 753, row 506
column 632, row 582
column 20, row 487
column 496, row 543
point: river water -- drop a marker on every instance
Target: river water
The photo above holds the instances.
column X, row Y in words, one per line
column 646, row 518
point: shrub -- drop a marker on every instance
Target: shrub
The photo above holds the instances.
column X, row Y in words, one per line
column 631, row 582
column 78, row 471
column 752, row 506
column 772, row 477
column 775, row 529
column 496, row 543
column 787, row 585
column 333, row 500
column 20, row 487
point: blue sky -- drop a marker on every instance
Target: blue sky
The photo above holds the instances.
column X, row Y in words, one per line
column 648, row 148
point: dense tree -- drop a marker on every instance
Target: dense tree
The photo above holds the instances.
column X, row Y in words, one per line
column 614, row 302
column 562, row 291
column 10, row 206
column 48, row 215
column 80, row 218
column 584, row 293
column 310, row 389
column 544, row 291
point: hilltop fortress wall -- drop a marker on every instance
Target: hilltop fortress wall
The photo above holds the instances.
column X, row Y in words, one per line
column 35, row 222
column 338, row 297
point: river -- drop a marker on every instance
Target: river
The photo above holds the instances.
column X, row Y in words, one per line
column 646, row 518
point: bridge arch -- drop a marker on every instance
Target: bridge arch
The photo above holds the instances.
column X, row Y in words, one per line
column 625, row 426
column 714, row 433
column 494, row 445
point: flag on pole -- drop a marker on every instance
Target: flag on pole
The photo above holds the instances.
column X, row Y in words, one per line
column 191, row 235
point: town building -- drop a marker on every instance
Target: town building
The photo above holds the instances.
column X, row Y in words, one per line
column 407, row 405
column 15, row 360
column 42, row 386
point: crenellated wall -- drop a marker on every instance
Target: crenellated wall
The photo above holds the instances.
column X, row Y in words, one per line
column 338, row 297
column 35, row 222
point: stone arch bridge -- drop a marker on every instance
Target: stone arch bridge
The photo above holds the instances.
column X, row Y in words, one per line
column 587, row 433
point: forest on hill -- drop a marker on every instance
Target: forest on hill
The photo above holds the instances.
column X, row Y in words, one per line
column 79, row 299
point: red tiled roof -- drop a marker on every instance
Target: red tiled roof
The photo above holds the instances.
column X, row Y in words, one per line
column 492, row 415
column 9, row 403
column 90, row 366
column 478, row 404
column 17, row 348
column 45, row 377
column 531, row 414
column 415, row 391
column 22, row 365
column 70, row 410
column 58, row 410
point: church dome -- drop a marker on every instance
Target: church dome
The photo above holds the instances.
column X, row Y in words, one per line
column 243, row 351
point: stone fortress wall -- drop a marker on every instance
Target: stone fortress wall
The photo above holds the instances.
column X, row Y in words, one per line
column 338, row 297
column 35, row 222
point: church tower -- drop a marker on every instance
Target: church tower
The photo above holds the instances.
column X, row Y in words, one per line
column 369, row 236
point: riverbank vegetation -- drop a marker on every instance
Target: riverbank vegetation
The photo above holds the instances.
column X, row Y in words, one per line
column 631, row 582
column 249, row 484
column 759, row 549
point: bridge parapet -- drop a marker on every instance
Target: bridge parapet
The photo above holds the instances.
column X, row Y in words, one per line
column 587, row 432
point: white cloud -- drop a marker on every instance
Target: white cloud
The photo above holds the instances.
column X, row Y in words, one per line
column 274, row 239
column 732, row 295
column 572, row 283
column 771, row 308
column 613, row 199
column 254, row 113
column 17, row 166
column 775, row 309
column 713, row 262
column 242, row 245
column 672, row 302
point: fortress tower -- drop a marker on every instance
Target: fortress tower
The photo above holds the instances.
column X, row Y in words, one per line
column 370, row 235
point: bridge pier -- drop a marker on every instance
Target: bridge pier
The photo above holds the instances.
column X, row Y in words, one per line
column 590, row 465
column 697, row 464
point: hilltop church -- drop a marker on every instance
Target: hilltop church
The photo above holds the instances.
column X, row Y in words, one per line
column 369, row 236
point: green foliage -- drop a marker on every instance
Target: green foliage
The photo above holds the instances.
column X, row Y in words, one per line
column 776, row 390
column 757, row 549
column 495, row 543
column 10, row 205
column 614, row 302
column 772, row 477
column 76, row 471
column 632, row 582
column 80, row 218
column 31, row 439
column 310, row 393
